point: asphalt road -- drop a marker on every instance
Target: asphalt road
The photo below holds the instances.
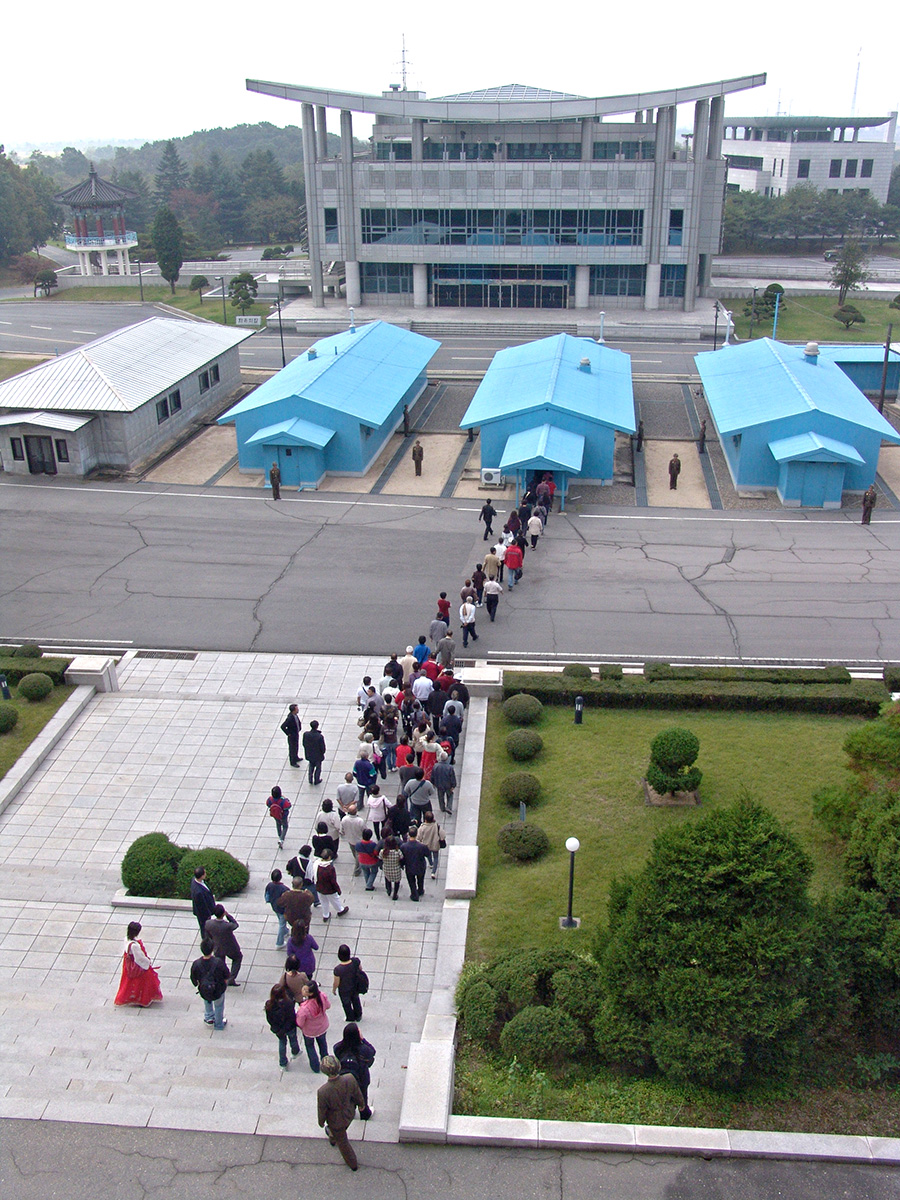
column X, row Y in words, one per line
column 45, row 1160
column 233, row 570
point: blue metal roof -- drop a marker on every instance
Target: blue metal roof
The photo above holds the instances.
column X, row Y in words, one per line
column 363, row 372
column 813, row 447
column 548, row 373
column 847, row 352
column 543, row 448
column 295, row 432
column 762, row 381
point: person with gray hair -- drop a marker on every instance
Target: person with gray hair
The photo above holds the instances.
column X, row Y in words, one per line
column 339, row 1099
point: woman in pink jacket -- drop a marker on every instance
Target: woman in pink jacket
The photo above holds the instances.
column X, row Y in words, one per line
column 312, row 1021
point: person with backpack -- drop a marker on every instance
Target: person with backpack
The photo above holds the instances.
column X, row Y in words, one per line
column 282, row 1017
column 350, row 982
column 210, row 976
column 279, row 806
column 275, row 889
column 356, row 1056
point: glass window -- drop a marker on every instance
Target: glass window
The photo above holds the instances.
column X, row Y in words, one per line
column 803, row 168
column 62, row 450
column 162, row 409
column 834, row 170
column 676, row 226
column 672, row 279
column 387, row 278
column 214, row 373
column 850, row 168
column 18, row 450
column 174, row 399
column 331, row 227
column 204, row 387
column 866, row 170
column 618, row 280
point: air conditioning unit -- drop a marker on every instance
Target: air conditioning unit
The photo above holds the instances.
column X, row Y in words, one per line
column 491, row 477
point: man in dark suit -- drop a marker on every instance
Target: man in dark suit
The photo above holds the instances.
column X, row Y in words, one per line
column 203, row 902
column 291, row 728
column 220, row 930
column 314, row 750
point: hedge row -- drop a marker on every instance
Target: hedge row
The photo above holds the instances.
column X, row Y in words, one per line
column 15, row 669
column 859, row 698
column 654, row 671
column 892, row 677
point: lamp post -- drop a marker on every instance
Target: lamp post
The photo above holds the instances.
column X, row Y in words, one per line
column 141, row 281
column 221, row 279
column 568, row 921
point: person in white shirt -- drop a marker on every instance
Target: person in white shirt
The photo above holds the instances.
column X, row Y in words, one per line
column 422, row 688
column 327, row 814
column 535, row 528
column 493, row 590
column 352, row 826
column 467, row 621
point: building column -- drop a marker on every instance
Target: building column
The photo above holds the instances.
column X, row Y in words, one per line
column 587, row 139
column 420, row 285
column 659, row 223
column 351, row 283
column 418, row 140
column 321, row 133
column 651, row 287
column 702, row 143
column 313, row 215
column 582, row 285
column 104, row 261
column 716, row 127
column 84, row 262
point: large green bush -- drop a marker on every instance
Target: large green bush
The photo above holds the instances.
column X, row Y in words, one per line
column 523, row 977
column 148, row 868
column 27, row 650
column 524, row 744
column 522, row 709
column 522, row 840
column 9, row 716
column 542, row 1035
column 36, row 686
column 225, row 875
column 477, row 1008
column 521, row 788
column 672, row 755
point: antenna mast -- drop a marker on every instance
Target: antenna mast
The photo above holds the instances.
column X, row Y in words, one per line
column 403, row 62
column 855, row 84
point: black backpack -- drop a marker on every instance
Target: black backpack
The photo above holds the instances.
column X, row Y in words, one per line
column 362, row 980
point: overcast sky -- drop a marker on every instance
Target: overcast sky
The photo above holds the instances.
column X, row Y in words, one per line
column 185, row 64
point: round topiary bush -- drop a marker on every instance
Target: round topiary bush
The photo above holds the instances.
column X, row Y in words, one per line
column 523, row 841
column 225, row 875
column 524, row 744
column 477, row 1007
column 148, row 868
column 895, row 303
column 522, row 709
column 538, row 1034
column 36, row 686
column 577, row 671
column 521, row 788
column 28, row 650
column 672, row 754
column 9, row 715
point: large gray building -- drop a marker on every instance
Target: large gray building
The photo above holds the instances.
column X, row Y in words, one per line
column 771, row 155
column 516, row 197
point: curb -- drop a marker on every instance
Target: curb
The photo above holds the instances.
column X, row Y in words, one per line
column 31, row 758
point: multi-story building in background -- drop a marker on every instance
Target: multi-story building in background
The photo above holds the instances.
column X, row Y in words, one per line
column 516, row 197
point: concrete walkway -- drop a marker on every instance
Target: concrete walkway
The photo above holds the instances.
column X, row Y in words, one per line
column 191, row 747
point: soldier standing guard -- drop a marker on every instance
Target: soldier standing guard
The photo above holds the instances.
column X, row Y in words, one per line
column 418, row 453
column 275, row 480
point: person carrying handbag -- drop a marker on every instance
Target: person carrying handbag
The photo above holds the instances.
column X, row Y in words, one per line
column 431, row 835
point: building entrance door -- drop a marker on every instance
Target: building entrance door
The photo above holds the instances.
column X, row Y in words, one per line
column 39, row 451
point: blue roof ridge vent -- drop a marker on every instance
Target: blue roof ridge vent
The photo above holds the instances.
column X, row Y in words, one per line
column 807, row 399
column 555, row 368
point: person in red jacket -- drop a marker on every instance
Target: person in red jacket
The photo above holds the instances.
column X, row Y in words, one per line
column 513, row 562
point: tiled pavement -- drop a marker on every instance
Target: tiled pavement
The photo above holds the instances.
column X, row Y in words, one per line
column 191, row 748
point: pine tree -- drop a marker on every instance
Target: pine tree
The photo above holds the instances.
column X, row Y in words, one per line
column 168, row 242
column 171, row 174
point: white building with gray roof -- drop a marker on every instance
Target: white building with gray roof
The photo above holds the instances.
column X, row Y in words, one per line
column 118, row 400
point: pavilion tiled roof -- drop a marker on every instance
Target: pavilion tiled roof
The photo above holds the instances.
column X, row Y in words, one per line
column 95, row 192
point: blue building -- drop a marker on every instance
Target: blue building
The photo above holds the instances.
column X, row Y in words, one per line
column 864, row 365
column 790, row 419
column 333, row 409
column 553, row 405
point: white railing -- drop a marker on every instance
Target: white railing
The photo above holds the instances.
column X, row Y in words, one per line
column 129, row 238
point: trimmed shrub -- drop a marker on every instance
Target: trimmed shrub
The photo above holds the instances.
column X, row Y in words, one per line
column 577, row 990
column 27, row 650
column 9, row 716
column 522, row 709
column 522, row 977
column 523, row 841
column 848, row 315
column 663, row 670
column 148, row 868
column 36, row 686
column 577, row 670
column 672, row 754
column 541, row 1035
column 836, row 808
column 15, row 669
column 521, row 788
column 609, row 671
column 225, row 875
column 477, row 1008
column 524, row 744
column 895, row 303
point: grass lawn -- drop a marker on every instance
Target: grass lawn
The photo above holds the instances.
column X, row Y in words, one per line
column 812, row 317
column 187, row 301
column 591, row 778
column 14, row 366
column 32, row 719
column 591, row 789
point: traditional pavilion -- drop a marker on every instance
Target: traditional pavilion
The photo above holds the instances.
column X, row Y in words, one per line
column 98, row 215
column 553, row 405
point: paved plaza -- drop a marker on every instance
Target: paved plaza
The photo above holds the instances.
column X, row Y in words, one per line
column 191, row 747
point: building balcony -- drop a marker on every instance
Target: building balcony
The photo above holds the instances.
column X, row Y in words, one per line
column 112, row 241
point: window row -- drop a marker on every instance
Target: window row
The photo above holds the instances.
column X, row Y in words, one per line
column 441, row 150
column 17, row 446
column 629, row 279
column 168, row 406
column 501, row 227
column 851, row 166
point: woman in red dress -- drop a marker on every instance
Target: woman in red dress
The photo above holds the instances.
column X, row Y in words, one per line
column 139, row 983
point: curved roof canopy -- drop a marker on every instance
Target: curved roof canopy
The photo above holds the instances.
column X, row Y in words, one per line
column 95, row 192
column 500, row 104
